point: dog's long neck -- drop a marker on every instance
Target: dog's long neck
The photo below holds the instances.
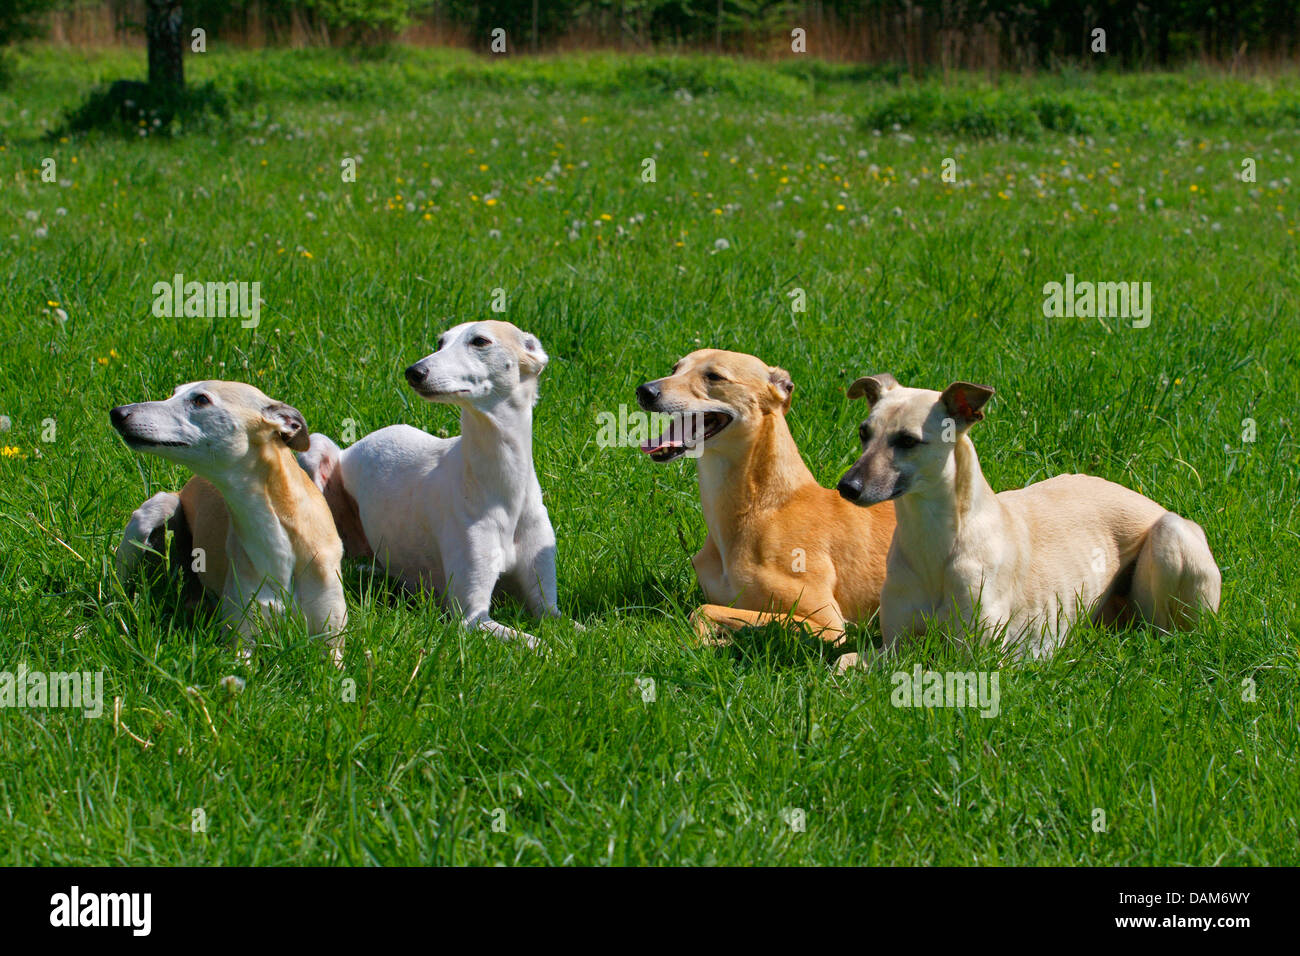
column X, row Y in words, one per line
column 739, row 486
column 932, row 522
column 498, row 447
column 265, row 506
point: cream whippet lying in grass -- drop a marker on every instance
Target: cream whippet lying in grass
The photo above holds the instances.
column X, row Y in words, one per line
column 777, row 540
column 267, row 538
column 1021, row 564
column 458, row 516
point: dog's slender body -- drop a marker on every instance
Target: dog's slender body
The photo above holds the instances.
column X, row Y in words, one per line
column 777, row 542
column 265, row 538
column 1022, row 565
column 457, row 516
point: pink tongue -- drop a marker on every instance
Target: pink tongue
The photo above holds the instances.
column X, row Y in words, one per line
column 674, row 435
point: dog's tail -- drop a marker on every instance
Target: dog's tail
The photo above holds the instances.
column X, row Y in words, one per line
column 145, row 535
column 323, row 463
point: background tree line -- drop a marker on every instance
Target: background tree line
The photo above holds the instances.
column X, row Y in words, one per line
column 920, row 33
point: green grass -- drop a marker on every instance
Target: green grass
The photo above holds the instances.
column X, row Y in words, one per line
column 903, row 273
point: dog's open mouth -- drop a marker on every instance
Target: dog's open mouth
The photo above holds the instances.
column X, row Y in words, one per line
column 683, row 432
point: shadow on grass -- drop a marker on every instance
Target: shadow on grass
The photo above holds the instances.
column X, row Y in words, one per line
column 133, row 108
column 789, row 644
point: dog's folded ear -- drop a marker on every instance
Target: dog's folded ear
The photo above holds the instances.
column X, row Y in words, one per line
column 289, row 422
column 783, row 384
column 532, row 358
column 965, row 402
column 871, row 387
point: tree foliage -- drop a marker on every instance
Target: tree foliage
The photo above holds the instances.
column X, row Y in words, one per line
column 22, row 19
column 1027, row 32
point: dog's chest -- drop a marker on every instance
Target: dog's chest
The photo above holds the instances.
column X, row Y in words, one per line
column 507, row 554
column 263, row 553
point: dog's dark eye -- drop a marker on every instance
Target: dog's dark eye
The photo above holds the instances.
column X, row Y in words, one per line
column 715, row 377
column 864, row 432
column 438, row 347
column 906, row 441
column 479, row 342
column 200, row 400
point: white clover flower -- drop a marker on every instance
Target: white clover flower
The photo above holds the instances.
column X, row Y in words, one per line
column 721, row 244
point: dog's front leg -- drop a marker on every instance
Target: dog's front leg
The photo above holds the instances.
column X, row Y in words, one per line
column 249, row 601
column 146, row 530
column 485, row 623
column 713, row 622
column 470, row 592
column 244, row 618
column 323, row 602
column 905, row 603
column 534, row 571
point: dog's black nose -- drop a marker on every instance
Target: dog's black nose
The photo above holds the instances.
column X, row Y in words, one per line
column 647, row 394
column 415, row 374
column 118, row 416
column 850, row 489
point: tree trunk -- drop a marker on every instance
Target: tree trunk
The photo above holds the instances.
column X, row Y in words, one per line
column 162, row 25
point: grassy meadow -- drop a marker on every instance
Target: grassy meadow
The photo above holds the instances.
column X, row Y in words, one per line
column 527, row 176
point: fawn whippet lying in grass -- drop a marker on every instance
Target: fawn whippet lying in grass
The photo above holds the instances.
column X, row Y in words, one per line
column 1023, row 564
column 266, row 536
column 458, row 516
column 777, row 541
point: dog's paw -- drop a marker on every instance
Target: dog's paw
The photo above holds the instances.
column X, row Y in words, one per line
column 146, row 531
column 708, row 632
column 501, row 632
column 701, row 624
column 848, row 662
